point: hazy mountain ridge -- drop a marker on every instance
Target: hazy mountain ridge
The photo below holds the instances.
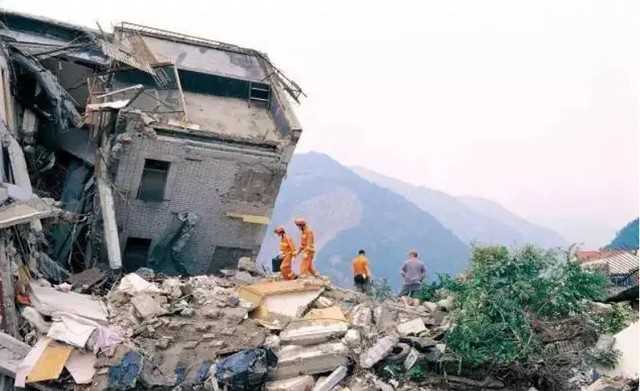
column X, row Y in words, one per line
column 472, row 219
column 348, row 212
column 627, row 238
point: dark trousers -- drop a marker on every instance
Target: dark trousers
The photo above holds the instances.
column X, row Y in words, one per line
column 361, row 283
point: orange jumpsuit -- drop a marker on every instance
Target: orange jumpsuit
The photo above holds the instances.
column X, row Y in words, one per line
column 288, row 253
column 308, row 251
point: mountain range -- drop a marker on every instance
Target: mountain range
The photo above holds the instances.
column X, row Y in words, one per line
column 627, row 238
column 354, row 208
column 474, row 220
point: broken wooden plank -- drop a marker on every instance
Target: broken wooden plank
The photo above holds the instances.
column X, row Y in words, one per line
column 49, row 365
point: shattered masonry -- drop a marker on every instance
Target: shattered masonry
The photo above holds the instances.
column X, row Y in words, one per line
column 187, row 138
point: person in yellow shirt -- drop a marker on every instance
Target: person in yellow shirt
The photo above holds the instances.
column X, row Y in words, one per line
column 361, row 272
column 287, row 253
column 307, row 248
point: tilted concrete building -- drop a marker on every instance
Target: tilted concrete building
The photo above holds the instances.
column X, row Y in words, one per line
column 195, row 136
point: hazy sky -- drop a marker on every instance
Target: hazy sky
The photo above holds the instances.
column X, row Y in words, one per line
column 533, row 104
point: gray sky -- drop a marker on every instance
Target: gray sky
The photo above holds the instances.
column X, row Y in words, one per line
column 533, row 104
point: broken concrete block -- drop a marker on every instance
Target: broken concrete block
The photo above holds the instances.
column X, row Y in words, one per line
column 312, row 332
column 146, row 307
column 332, row 380
column 352, row 338
column 382, row 386
column 323, row 302
column 300, row 383
column 173, row 287
column 362, row 316
column 430, row 306
column 247, row 265
column 132, row 284
column 413, row 327
column 377, row 352
column 310, row 360
column 35, row 319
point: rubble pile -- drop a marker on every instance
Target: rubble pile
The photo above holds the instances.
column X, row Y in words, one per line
column 224, row 332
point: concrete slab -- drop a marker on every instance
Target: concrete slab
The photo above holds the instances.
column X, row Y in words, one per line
column 146, row 307
column 300, row 383
column 310, row 360
column 310, row 332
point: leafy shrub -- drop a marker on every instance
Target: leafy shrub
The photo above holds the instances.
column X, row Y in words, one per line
column 504, row 292
column 429, row 290
column 615, row 320
column 380, row 289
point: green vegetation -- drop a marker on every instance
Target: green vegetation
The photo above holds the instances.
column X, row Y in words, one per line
column 505, row 293
column 380, row 289
column 614, row 321
column 627, row 238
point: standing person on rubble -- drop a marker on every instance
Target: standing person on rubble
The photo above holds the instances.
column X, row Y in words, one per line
column 307, row 248
column 361, row 272
column 287, row 253
column 413, row 273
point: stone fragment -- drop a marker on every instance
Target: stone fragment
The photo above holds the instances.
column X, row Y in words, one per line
column 328, row 383
column 377, row 352
column 310, row 360
column 312, row 332
column 300, row 383
column 323, row 302
column 146, row 307
column 413, row 327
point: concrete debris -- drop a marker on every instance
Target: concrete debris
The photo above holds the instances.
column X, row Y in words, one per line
column 362, row 316
column 332, row 380
column 413, row 327
column 377, row 352
column 72, row 331
column 310, row 360
column 312, row 332
column 49, row 301
column 300, row 383
column 146, row 306
column 35, row 319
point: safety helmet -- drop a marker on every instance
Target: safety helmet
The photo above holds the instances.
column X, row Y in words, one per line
column 300, row 221
column 279, row 230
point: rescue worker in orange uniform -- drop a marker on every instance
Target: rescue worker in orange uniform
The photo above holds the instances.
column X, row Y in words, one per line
column 307, row 248
column 287, row 253
column 361, row 272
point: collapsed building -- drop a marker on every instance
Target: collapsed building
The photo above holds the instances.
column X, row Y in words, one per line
column 170, row 148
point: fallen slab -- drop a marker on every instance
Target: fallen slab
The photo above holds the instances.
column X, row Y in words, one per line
column 412, row 327
column 285, row 298
column 310, row 360
column 300, row 383
column 332, row 380
column 377, row 352
column 310, row 332
column 146, row 307
column 49, row 301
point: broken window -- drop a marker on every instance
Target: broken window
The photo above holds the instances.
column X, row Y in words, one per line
column 227, row 257
column 136, row 253
column 154, row 180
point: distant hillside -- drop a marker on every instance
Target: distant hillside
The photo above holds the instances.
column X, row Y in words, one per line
column 474, row 220
column 626, row 238
column 348, row 213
